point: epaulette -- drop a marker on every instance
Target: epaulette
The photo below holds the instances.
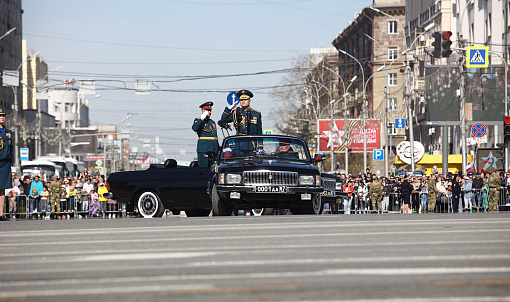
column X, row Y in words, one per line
column 8, row 129
column 255, row 110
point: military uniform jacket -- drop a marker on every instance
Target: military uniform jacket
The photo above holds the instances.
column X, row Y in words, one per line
column 6, row 154
column 244, row 123
column 55, row 188
column 376, row 188
column 432, row 186
column 494, row 181
column 207, row 135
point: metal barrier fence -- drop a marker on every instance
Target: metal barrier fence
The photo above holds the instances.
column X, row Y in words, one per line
column 23, row 207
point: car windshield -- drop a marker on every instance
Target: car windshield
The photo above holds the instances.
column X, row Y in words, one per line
column 270, row 147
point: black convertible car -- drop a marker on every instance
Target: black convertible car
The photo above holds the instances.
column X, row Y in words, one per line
column 268, row 171
column 251, row 172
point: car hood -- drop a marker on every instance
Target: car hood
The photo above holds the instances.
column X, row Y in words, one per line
column 268, row 164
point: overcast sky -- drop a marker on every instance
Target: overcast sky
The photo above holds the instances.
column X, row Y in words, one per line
column 193, row 51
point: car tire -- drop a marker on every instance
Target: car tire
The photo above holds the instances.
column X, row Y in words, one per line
column 149, row 205
column 198, row 212
column 306, row 207
column 220, row 206
column 262, row 211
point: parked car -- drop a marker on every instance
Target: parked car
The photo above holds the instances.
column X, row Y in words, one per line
column 333, row 192
column 269, row 171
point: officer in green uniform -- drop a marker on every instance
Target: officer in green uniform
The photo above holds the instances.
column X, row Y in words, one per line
column 247, row 121
column 494, row 187
column 432, row 193
column 376, row 193
column 55, row 191
column 207, row 133
column 6, row 155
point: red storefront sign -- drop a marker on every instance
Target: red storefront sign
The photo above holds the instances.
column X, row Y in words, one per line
column 353, row 138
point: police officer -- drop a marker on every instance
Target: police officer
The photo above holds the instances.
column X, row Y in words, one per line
column 55, row 191
column 6, row 154
column 376, row 193
column 494, row 187
column 207, row 133
column 247, row 120
column 432, row 193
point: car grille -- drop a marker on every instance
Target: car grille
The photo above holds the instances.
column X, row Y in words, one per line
column 270, row 178
column 329, row 184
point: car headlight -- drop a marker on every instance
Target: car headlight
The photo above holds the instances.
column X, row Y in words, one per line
column 221, row 178
column 317, row 180
column 339, row 186
column 234, row 178
column 307, row 180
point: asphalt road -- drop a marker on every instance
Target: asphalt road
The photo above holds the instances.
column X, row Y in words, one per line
column 394, row 257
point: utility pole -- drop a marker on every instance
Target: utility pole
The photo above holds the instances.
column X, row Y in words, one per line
column 462, row 67
column 386, row 151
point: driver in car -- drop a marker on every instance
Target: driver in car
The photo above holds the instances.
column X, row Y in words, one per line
column 285, row 149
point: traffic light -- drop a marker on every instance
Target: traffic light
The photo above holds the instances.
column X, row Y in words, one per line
column 437, row 44
column 506, row 129
column 445, row 35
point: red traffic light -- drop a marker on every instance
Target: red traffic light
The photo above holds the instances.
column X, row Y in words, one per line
column 507, row 120
column 447, row 35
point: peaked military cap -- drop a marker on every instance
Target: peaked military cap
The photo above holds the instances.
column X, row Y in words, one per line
column 207, row 105
column 244, row 94
column 2, row 112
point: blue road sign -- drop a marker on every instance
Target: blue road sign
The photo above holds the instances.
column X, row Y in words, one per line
column 232, row 98
column 477, row 57
column 23, row 154
column 400, row 123
column 478, row 130
column 378, row 154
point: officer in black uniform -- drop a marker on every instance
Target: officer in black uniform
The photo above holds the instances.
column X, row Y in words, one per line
column 247, row 120
column 6, row 155
column 207, row 133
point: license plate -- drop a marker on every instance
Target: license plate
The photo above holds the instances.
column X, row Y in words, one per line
column 271, row 189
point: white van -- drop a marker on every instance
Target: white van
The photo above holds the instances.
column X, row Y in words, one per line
column 33, row 168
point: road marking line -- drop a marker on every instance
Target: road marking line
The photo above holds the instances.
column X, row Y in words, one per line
column 268, row 275
column 270, row 226
column 315, row 235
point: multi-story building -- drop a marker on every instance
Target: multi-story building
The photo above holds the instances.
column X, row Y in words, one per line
column 376, row 41
column 473, row 23
column 69, row 107
column 10, row 47
column 34, row 73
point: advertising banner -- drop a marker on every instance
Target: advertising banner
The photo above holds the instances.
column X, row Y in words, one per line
column 489, row 159
column 352, row 137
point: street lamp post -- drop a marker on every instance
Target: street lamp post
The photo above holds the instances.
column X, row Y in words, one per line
column 345, row 116
column 364, row 109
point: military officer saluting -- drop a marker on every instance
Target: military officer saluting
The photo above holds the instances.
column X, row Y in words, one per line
column 6, row 155
column 247, row 120
column 207, row 133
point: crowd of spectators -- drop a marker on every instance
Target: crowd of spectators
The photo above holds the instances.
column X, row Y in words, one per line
column 454, row 192
column 31, row 196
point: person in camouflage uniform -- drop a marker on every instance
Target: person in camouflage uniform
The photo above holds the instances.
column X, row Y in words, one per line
column 55, row 191
column 376, row 193
column 432, row 193
column 494, row 188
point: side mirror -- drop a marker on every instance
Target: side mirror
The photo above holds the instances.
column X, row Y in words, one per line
column 211, row 155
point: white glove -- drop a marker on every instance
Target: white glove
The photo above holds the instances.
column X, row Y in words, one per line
column 233, row 105
column 204, row 115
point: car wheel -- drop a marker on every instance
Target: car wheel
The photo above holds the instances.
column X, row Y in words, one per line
column 263, row 211
column 306, row 207
column 220, row 206
column 198, row 212
column 149, row 205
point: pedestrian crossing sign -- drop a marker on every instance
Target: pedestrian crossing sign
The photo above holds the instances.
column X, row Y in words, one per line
column 477, row 57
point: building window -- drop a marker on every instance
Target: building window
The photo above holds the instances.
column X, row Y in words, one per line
column 392, row 79
column 392, row 27
column 392, row 53
column 392, row 104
